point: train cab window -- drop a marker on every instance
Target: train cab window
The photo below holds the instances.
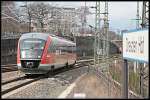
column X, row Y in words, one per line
column 31, row 48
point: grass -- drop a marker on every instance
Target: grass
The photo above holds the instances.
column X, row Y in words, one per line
column 133, row 77
column 116, row 74
column 134, row 82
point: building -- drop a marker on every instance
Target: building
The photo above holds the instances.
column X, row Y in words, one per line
column 59, row 21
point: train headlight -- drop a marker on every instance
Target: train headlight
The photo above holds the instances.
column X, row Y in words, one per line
column 39, row 56
column 23, row 54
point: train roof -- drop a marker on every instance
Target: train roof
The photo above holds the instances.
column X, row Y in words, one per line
column 34, row 35
column 43, row 36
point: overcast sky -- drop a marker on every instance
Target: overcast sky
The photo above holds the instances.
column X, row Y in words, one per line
column 121, row 14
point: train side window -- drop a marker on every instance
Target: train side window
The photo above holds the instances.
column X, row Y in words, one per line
column 63, row 48
column 69, row 48
column 66, row 48
column 73, row 49
column 51, row 48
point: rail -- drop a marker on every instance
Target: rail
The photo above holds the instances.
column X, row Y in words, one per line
column 57, row 71
column 13, row 67
column 8, row 65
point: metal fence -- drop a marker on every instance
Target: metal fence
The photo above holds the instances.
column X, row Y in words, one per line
column 9, row 50
column 112, row 78
column 10, row 35
column 85, row 46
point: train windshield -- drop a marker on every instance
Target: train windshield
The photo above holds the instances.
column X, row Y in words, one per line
column 31, row 48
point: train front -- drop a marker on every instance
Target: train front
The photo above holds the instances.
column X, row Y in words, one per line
column 29, row 54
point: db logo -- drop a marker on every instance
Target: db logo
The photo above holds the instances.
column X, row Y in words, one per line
column 29, row 64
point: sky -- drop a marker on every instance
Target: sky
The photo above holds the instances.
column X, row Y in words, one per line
column 121, row 14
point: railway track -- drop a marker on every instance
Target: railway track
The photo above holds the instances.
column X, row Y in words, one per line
column 13, row 80
column 9, row 68
column 13, row 67
column 17, row 83
column 24, row 80
column 80, row 63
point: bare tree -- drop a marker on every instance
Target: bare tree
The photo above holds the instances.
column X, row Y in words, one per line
column 25, row 13
column 39, row 13
column 35, row 14
column 82, row 13
column 10, row 21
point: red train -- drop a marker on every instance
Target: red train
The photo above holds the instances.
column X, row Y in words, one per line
column 38, row 53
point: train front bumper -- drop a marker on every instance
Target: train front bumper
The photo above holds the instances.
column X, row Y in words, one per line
column 41, row 69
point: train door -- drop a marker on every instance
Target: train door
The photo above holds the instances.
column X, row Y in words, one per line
column 71, row 54
column 61, row 55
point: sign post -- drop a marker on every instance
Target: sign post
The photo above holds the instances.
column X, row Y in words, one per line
column 125, row 79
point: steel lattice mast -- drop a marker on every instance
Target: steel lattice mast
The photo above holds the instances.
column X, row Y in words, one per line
column 145, row 14
column 137, row 16
column 97, row 32
column 144, row 74
column 101, row 47
column 101, row 44
column 105, row 32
